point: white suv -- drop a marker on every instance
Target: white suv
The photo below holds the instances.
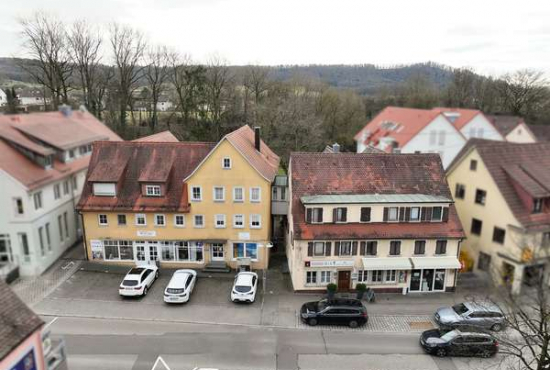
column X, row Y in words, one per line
column 138, row 281
column 180, row 286
column 244, row 287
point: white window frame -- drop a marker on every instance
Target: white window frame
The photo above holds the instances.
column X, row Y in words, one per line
column 219, row 217
column 136, row 218
column 441, row 214
column 153, row 189
column 56, row 191
column 380, row 275
column 242, row 194
column 193, row 199
column 66, row 187
column 350, row 248
column 17, row 200
column 163, row 219
column 259, row 219
column 313, row 275
column 324, row 277
column 99, row 219
column 259, row 194
column 235, row 226
column 397, row 214
column 175, row 220
column 322, row 254
column 362, row 276
column 195, row 225
column 214, row 194
column 223, row 163
column 388, row 275
column 414, row 219
column 37, row 199
column 315, row 220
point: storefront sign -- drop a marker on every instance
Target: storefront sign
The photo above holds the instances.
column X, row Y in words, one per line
column 146, row 233
column 244, row 236
column 331, row 263
column 354, row 276
column 97, row 249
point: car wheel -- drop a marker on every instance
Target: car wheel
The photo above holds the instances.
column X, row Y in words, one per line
column 440, row 352
column 486, row 354
column 353, row 324
column 157, row 275
column 496, row 327
column 145, row 291
column 312, row 322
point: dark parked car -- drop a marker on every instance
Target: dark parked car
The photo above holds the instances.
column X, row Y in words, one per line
column 485, row 315
column 336, row 311
column 456, row 343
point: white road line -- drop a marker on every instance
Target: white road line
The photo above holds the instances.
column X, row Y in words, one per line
column 51, row 322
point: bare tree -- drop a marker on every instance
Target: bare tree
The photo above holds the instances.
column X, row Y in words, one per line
column 460, row 92
column 46, row 41
column 256, row 85
column 218, row 83
column 128, row 47
column 523, row 91
column 156, row 74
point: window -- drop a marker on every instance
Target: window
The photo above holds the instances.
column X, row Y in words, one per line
column 499, row 235
column 219, row 193
column 255, row 221
column 433, row 137
column 219, row 221
column 255, row 195
column 187, row 251
column 345, row 248
column 196, row 193
column 376, row 276
column 473, row 165
column 152, row 190
column 104, row 189
column 141, row 219
column 311, row 277
column 59, row 224
column 420, row 247
column 245, row 250
column 198, row 221
column 118, row 249
column 372, row 247
column 37, row 197
column 18, row 202
column 160, row 220
column 66, row 223
column 24, row 242
column 238, row 221
column 341, row 214
column 460, row 191
column 179, row 220
column 393, row 214
column 226, row 163
column 441, row 247
column 476, row 226
column 324, row 277
column 318, row 248
column 481, row 196
column 395, row 248
column 362, row 276
column 238, row 194
column 537, row 205
column 437, row 213
column 121, row 220
column 66, row 187
column 314, row 215
column 5, row 248
column 441, row 137
column 365, row 214
column 48, row 237
column 56, row 192
column 41, row 237
column 102, row 219
column 74, row 183
column 546, row 239
column 415, row 214
column 391, row 276
column 71, row 153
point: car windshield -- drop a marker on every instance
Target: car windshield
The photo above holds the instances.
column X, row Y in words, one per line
column 242, row 288
column 321, row 305
column 449, row 336
column 460, row 308
column 130, row 282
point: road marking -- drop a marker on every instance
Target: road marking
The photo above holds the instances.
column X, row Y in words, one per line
column 51, row 322
column 159, row 359
column 67, row 265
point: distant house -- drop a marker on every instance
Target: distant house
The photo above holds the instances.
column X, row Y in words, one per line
column 43, row 163
column 164, row 136
column 164, row 104
column 32, row 97
column 502, row 194
column 540, row 132
column 3, row 98
column 471, row 123
column 512, row 128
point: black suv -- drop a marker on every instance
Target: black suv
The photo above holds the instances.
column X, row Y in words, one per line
column 457, row 343
column 337, row 311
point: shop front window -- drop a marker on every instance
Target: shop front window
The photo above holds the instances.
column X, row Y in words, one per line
column 245, row 250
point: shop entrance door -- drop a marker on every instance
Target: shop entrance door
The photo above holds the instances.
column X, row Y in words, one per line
column 344, row 279
column 415, row 280
column 216, row 252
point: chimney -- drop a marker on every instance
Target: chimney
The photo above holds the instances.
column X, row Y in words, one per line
column 336, row 148
column 257, row 138
column 65, row 109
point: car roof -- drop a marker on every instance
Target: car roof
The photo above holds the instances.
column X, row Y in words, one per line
column 348, row 302
column 136, row 271
column 482, row 306
column 180, row 277
column 244, row 278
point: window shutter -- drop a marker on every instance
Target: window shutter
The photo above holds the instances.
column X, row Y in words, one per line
column 310, row 249
column 375, row 249
column 445, row 214
column 423, row 214
column 328, row 246
column 354, row 248
column 334, row 214
column 344, row 214
column 308, row 215
column 407, row 214
column 320, row 214
column 401, row 213
column 336, row 248
column 385, row 214
column 428, row 213
column 363, row 249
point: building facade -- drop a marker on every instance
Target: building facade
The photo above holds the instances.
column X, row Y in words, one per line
column 502, row 194
column 180, row 204
column 385, row 220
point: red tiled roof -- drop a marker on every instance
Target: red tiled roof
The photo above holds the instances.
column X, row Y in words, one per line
column 465, row 115
column 409, row 122
column 164, row 136
column 373, row 173
column 131, row 158
column 503, row 123
column 527, row 164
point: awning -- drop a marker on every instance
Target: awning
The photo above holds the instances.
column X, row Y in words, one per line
column 436, row 263
column 388, row 263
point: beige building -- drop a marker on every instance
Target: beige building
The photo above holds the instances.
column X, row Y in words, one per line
column 502, row 194
column 386, row 220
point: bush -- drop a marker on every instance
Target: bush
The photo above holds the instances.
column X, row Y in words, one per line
column 361, row 287
column 332, row 287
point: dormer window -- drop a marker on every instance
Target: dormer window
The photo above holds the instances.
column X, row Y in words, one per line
column 537, row 205
column 314, row 215
column 437, row 213
column 153, row 190
column 226, row 163
column 105, row 189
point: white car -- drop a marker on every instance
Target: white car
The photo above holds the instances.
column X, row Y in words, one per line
column 138, row 281
column 180, row 286
column 244, row 287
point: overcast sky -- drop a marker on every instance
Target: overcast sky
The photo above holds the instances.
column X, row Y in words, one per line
column 490, row 36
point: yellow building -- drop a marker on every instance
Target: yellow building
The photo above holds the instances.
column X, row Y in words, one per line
column 502, row 195
column 181, row 204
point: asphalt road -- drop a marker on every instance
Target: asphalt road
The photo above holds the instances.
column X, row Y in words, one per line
column 101, row 344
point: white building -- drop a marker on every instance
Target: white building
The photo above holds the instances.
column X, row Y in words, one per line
column 471, row 123
column 3, row 98
column 43, row 162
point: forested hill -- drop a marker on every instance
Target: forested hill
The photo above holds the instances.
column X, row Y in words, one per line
column 365, row 78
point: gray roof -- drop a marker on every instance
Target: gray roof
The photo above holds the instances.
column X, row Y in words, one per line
column 373, row 198
column 17, row 321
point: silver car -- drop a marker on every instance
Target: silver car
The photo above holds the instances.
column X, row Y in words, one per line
column 470, row 314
